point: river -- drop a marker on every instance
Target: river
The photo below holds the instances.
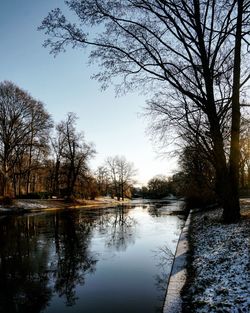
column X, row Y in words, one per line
column 105, row 260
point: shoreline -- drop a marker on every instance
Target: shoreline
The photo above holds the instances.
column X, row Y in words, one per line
column 22, row 206
column 178, row 274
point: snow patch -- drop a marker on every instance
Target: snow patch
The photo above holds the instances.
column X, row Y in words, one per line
column 221, row 264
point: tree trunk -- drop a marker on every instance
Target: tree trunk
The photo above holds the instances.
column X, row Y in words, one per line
column 56, row 178
column 226, row 186
column 5, row 180
column 227, row 177
column 14, row 180
column 232, row 212
column 226, row 189
column 122, row 191
column 28, row 182
column 230, row 200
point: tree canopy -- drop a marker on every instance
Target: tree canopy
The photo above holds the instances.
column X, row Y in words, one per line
column 191, row 55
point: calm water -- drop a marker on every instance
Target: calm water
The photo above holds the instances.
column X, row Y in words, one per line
column 113, row 260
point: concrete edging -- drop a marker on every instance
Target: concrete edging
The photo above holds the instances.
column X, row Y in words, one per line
column 178, row 275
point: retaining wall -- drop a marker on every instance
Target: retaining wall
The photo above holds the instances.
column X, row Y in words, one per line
column 178, row 275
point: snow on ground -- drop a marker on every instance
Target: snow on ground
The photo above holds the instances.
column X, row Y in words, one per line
column 31, row 204
column 220, row 265
column 24, row 205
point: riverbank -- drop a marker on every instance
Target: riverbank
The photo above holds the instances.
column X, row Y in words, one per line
column 219, row 263
column 21, row 206
column 36, row 205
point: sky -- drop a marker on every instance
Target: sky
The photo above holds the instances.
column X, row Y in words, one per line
column 64, row 85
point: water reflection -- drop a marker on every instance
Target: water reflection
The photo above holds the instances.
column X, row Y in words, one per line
column 118, row 227
column 50, row 256
column 72, row 258
column 38, row 250
column 163, row 258
column 23, row 280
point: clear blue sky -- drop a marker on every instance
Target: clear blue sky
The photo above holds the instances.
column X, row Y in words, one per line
column 64, row 85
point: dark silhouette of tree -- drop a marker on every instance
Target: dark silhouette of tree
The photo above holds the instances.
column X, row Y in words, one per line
column 194, row 49
column 158, row 187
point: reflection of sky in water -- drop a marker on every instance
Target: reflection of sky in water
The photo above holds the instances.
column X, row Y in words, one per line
column 99, row 260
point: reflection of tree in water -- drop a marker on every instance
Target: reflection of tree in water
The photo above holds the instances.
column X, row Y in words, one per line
column 23, row 280
column 28, row 278
column 154, row 211
column 73, row 259
column 165, row 207
column 119, row 227
column 165, row 259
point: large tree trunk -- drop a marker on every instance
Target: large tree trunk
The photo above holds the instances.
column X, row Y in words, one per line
column 228, row 194
column 227, row 176
column 231, row 206
column 226, row 184
column 232, row 213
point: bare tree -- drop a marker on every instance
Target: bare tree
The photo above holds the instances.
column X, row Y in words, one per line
column 121, row 174
column 103, row 180
column 57, row 144
column 74, row 151
column 24, row 128
column 192, row 48
column 40, row 125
